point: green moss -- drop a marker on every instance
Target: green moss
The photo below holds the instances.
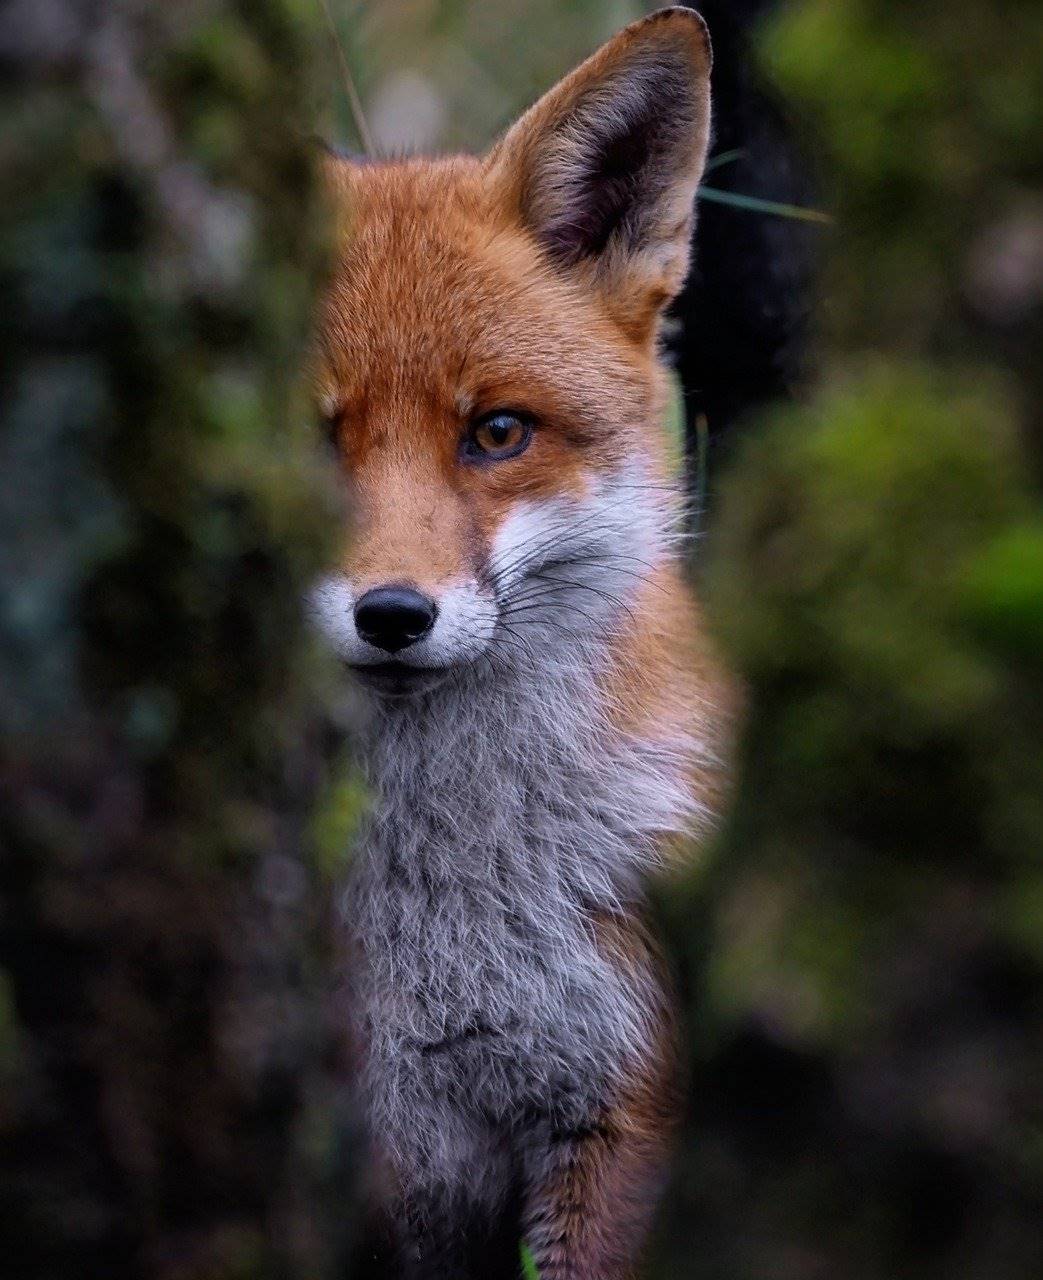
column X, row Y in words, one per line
column 1002, row 591
column 161, row 706
column 858, row 521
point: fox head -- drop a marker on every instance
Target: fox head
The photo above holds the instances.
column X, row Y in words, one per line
column 488, row 367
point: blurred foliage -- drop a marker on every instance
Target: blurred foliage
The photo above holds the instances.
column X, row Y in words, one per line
column 931, row 116
column 863, row 954
column 168, row 1098
column 450, row 74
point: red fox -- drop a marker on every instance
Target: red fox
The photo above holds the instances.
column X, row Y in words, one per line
column 544, row 713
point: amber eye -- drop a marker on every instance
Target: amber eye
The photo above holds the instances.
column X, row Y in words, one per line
column 497, row 436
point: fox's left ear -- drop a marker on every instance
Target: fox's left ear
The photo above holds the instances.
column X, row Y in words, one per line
column 603, row 170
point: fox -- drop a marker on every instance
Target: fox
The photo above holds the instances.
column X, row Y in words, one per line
column 543, row 718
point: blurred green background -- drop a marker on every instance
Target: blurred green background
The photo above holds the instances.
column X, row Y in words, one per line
column 450, row 76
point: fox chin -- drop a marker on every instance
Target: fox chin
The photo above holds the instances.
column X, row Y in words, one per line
column 546, row 714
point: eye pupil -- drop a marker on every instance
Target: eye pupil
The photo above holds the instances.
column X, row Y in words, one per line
column 501, row 435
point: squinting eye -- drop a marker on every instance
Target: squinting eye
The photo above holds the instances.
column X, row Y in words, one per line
column 497, row 436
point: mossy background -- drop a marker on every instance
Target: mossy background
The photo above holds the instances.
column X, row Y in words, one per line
column 860, row 952
column 171, row 1080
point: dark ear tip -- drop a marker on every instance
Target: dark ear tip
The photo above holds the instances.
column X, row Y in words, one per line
column 687, row 22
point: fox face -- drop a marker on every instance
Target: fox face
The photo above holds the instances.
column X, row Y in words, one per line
column 488, row 369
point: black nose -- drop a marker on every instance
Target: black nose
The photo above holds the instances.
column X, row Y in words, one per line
column 393, row 617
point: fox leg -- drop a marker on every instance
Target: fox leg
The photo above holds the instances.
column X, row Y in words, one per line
column 591, row 1190
column 586, row 1216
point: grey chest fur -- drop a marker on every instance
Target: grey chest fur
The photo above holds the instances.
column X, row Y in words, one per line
column 495, row 838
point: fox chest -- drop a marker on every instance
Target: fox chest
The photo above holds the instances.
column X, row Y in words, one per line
column 483, row 1002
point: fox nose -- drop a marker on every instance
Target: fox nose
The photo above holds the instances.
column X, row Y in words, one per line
column 392, row 618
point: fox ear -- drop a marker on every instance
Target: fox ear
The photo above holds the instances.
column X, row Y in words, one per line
column 603, row 170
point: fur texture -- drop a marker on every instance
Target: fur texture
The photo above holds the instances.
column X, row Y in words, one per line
column 529, row 757
column 512, row 823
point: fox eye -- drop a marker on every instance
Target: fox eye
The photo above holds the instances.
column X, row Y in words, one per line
column 497, row 436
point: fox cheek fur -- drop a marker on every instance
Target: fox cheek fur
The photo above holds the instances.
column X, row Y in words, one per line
column 550, row 715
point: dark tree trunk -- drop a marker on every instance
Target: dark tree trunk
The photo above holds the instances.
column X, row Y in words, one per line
column 168, row 1078
column 744, row 317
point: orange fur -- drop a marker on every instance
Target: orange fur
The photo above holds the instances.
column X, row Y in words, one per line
column 444, row 304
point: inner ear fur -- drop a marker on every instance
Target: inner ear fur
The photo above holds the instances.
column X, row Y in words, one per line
column 604, row 169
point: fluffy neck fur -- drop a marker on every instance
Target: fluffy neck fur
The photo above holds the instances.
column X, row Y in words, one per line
column 507, row 814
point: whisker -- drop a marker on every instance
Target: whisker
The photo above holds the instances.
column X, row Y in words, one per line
column 567, row 524
column 586, row 586
column 534, row 548
column 592, row 526
column 552, row 586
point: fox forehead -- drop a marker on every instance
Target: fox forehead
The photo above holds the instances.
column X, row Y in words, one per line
column 440, row 308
